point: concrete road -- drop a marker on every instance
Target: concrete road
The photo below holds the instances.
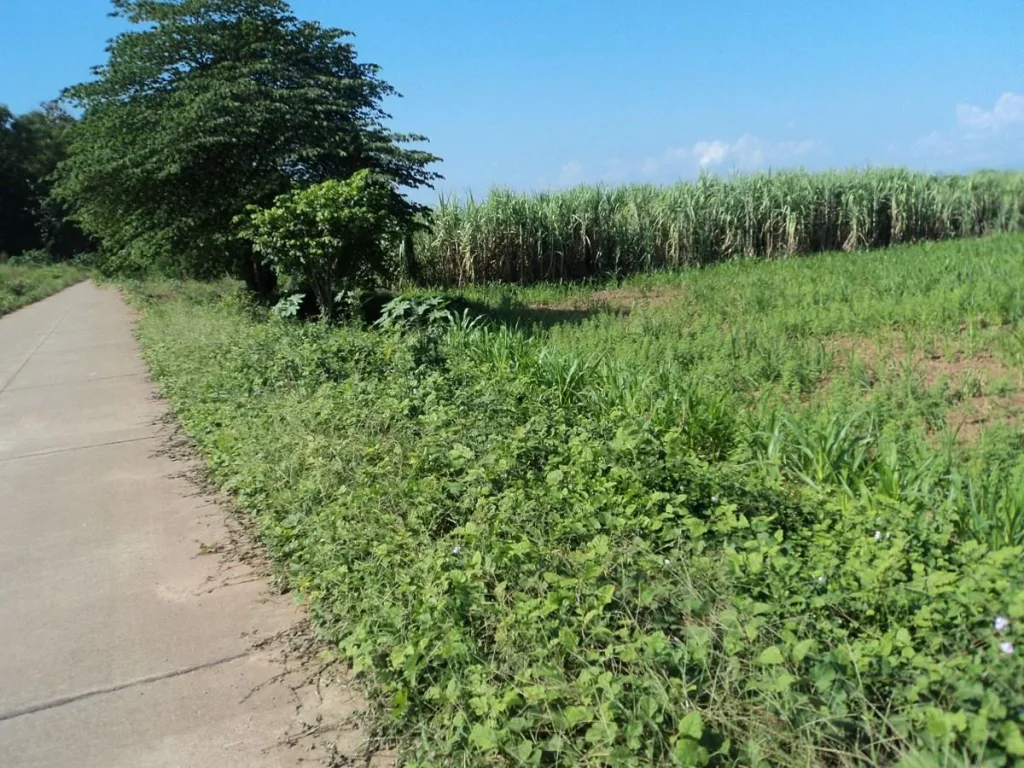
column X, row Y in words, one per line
column 121, row 643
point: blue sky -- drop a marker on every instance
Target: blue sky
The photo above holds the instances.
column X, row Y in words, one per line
column 546, row 93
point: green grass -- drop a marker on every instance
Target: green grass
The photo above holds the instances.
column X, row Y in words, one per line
column 21, row 285
column 750, row 514
column 593, row 231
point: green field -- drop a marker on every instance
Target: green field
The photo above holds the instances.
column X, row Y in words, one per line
column 755, row 513
column 21, row 285
column 597, row 231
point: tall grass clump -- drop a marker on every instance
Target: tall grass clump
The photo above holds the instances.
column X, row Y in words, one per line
column 592, row 231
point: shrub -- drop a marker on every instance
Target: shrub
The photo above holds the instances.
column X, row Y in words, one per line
column 328, row 237
column 33, row 258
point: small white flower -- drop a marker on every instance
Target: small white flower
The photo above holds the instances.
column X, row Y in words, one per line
column 714, row 499
column 1006, row 647
column 1001, row 624
column 822, row 580
column 457, row 550
column 878, row 536
column 667, row 561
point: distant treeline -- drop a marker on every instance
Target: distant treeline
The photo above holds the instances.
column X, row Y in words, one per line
column 31, row 222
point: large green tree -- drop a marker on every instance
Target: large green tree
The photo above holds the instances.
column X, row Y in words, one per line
column 208, row 106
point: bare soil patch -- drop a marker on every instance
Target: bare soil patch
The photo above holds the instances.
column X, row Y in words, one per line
column 621, row 300
column 969, row 418
column 985, row 391
column 629, row 297
column 931, row 366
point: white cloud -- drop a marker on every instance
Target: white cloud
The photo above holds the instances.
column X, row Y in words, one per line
column 747, row 153
column 979, row 137
column 1008, row 110
column 711, row 152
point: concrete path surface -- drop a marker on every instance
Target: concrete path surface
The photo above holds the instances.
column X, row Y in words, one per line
column 121, row 643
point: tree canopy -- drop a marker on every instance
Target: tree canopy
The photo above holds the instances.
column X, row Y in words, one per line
column 31, row 146
column 206, row 107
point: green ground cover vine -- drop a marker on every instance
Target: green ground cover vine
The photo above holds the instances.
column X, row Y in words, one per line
column 754, row 514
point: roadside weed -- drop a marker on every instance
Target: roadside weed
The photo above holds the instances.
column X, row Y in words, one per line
column 719, row 517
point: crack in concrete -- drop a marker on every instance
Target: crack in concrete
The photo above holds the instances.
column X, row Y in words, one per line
column 32, row 354
column 129, row 343
column 55, row 451
column 75, row 383
column 65, row 700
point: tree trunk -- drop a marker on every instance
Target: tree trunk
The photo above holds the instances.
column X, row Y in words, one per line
column 259, row 278
column 412, row 267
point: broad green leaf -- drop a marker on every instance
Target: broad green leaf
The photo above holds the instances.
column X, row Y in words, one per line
column 770, row 655
column 691, row 726
column 484, row 737
column 576, row 715
column 523, row 751
column 801, row 649
column 689, row 754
